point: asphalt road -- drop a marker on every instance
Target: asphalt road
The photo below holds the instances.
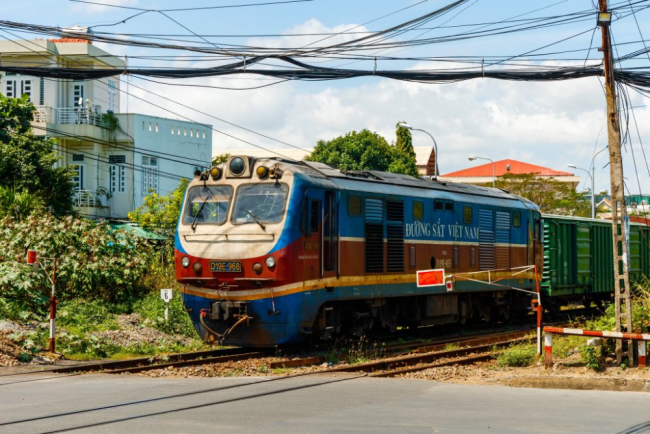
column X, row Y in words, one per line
column 311, row 405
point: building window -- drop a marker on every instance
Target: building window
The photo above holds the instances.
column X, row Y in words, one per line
column 111, row 95
column 172, row 130
column 204, row 134
column 117, row 173
column 149, row 126
column 156, row 126
column 26, row 88
column 79, row 167
column 149, row 174
column 185, row 131
column 78, row 95
column 191, row 132
column 10, row 88
column 179, row 131
column 41, row 91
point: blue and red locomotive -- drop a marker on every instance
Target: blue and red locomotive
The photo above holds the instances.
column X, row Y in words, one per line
column 273, row 251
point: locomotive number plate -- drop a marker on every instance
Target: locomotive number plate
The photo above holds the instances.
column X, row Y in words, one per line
column 225, row 266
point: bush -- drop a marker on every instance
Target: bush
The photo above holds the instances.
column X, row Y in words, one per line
column 518, row 356
column 93, row 262
column 152, row 310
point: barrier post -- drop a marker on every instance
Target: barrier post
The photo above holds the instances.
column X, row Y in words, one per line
column 548, row 350
column 53, row 310
column 642, row 354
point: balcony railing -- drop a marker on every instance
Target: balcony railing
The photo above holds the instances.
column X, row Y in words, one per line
column 69, row 115
column 87, row 198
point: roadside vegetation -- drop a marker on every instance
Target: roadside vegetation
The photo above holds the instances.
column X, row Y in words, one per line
column 574, row 351
column 107, row 281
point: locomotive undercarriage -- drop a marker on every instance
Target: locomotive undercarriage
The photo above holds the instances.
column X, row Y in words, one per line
column 356, row 318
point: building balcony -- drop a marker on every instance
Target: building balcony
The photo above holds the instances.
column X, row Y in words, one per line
column 69, row 115
column 89, row 199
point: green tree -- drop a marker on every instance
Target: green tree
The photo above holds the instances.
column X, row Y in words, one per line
column 220, row 159
column 364, row 150
column 404, row 140
column 160, row 213
column 27, row 161
column 552, row 196
column 18, row 204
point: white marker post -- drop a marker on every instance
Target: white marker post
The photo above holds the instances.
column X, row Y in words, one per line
column 166, row 295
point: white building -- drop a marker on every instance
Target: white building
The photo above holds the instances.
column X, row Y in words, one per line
column 119, row 157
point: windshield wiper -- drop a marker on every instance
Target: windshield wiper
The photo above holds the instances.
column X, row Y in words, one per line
column 257, row 220
column 194, row 222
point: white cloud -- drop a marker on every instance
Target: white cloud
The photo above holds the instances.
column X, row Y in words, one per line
column 550, row 124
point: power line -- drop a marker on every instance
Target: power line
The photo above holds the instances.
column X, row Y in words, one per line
column 194, row 8
column 177, row 114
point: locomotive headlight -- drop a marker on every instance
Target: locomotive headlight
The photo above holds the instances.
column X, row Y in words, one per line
column 270, row 262
column 185, row 262
column 197, row 267
column 237, row 166
column 257, row 268
column 262, row 171
column 215, row 172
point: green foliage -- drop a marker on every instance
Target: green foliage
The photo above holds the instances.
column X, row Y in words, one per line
column 364, row 151
column 93, row 263
column 553, row 197
column 27, row 161
column 219, row 159
column 404, row 142
column 152, row 310
column 640, row 312
column 160, row 213
column 82, row 316
column 518, row 356
column 18, row 204
column 591, row 356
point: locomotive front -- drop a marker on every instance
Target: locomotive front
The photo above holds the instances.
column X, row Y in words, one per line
column 237, row 226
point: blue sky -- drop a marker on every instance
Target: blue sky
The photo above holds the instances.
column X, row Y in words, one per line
column 550, row 124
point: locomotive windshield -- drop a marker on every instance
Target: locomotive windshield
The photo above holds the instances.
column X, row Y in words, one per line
column 260, row 203
column 207, row 205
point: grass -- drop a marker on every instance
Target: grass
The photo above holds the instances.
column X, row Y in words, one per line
column 518, row 356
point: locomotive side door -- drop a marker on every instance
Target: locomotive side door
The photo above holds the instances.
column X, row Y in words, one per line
column 321, row 234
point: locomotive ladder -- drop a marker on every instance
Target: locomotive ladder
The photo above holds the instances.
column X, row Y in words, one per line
column 622, row 288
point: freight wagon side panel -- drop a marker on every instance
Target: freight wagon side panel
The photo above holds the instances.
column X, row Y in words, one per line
column 603, row 258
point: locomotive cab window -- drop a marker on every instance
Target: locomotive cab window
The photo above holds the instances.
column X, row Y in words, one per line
column 418, row 210
column 516, row 219
column 260, row 203
column 468, row 216
column 354, row 205
column 438, row 205
column 207, row 205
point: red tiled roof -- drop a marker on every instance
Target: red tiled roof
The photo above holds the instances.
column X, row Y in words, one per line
column 70, row 41
column 516, row 167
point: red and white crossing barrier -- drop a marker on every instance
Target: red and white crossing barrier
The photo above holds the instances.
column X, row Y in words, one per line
column 642, row 338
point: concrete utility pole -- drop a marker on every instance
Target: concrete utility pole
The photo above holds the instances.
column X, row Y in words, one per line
column 621, row 267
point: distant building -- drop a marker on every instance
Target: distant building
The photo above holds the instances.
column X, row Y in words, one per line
column 483, row 174
column 115, row 168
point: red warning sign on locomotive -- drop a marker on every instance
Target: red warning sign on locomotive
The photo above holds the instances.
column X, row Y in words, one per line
column 431, row 277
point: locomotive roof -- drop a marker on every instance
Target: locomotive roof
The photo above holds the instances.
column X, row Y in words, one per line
column 341, row 177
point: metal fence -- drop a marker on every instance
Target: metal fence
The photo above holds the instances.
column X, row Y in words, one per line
column 69, row 115
column 87, row 198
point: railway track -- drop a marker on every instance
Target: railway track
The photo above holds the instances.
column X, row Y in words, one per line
column 235, row 354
